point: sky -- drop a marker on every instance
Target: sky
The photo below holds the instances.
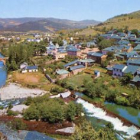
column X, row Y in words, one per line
column 99, row 10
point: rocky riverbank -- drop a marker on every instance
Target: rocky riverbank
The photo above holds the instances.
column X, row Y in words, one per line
column 16, row 91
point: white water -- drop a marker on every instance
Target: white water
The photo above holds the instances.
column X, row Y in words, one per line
column 101, row 114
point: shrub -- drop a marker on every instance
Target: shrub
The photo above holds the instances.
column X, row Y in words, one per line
column 28, row 101
column 57, row 89
column 32, row 113
column 17, row 124
column 11, row 113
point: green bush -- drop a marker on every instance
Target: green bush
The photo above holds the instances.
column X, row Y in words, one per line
column 28, row 101
column 17, row 124
column 57, row 89
column 32, row 113
column 11, row 113
column 52, row 110
column 1, row 108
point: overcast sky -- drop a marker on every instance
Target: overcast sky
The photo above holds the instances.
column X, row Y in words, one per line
column 67, row 9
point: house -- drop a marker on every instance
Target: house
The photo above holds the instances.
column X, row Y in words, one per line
column 76, row 69
column 137, row 41
column 23, row 65
column 86, row 62
column 134, row 62
column 106, row 36
column 62, row 73
column 137, row 48
column 116, row 37
column 110, row 49
column 117, row 49
column 114, row 31
column 77, row 46
column 133, row 39
column 121, row 34
column 118, row 70
column 30, row 69
column 74, row 52
column 132, row 36
column 91, row 44
column 131, row 69
column 51, row 50
column 124, row 42
column 109, row 70
column 61, row 54
column 97, row 57
column 73, row 63
column 65, row 42
column 119, row 56
column 132, row 54
column 87, row 50
column 136, row 80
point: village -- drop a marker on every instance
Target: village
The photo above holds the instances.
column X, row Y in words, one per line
column 69, row 80
column 125, row 57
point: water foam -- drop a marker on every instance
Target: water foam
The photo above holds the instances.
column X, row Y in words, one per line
column 101, row 114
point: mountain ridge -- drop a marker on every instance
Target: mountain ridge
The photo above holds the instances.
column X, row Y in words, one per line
column 42, row 24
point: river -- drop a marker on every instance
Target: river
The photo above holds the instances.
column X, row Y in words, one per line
column 99, row 118
column 3, row 73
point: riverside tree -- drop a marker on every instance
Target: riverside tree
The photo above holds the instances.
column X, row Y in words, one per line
column 51, row 110
column 86, row 132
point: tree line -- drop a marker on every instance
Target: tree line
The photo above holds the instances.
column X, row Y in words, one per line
column 19, row 53
column 51, row 110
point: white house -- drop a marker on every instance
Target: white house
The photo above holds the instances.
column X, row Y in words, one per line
column 30, row 69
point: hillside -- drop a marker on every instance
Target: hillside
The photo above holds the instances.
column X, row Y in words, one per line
column 132, row 20
column 42, row 24
column 10, row 22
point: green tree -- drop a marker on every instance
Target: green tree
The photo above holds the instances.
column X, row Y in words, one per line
column 28, row 101
column 71, row 111
column 110, row 55
column 86, row 132
column 32, row 113
column 105, row 63
column 17, row 124
column 58, row 41
column 99, row 39
column 13, row 65
column 135, row 31
column 105, row 43
column 126, row 78
column 53, row 113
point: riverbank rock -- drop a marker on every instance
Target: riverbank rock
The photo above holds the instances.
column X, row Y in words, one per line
column 69, row 130
column 3, row 112
column 14, row 91
column 19, row 108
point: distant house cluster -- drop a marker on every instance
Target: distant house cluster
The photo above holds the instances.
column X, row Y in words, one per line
column 74, row 67
column 73, row 50
column 123, row 50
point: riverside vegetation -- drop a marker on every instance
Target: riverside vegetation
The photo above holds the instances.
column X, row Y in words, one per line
column 51, row 110
column 107, row 88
